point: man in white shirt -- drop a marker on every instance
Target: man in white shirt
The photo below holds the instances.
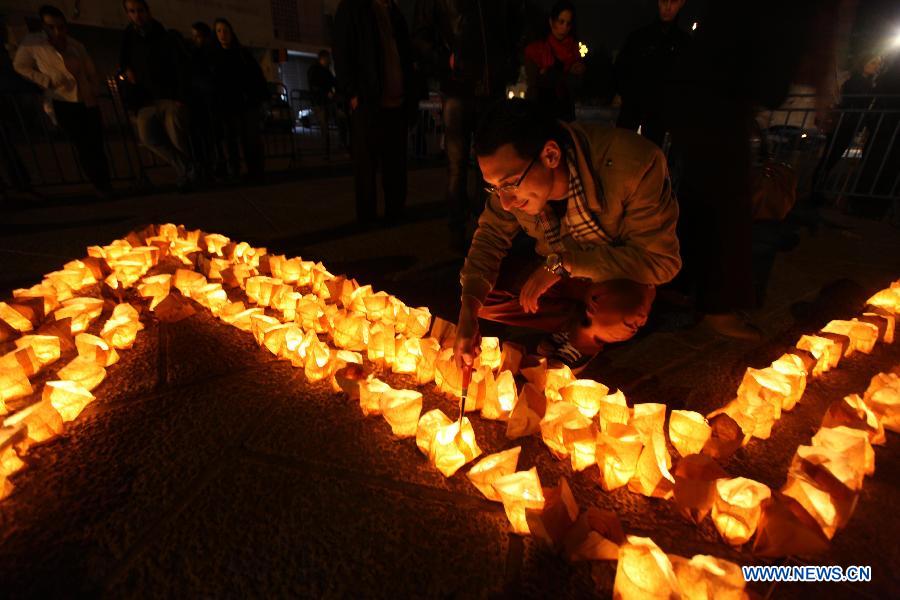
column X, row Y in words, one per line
column 62, row 68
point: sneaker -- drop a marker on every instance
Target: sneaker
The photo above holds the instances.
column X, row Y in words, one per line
column 556, row 347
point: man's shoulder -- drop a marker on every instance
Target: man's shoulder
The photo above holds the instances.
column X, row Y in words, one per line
column 34, row 40
column 604, row 141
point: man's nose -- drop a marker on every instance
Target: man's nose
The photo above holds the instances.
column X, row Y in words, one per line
column 507, row 200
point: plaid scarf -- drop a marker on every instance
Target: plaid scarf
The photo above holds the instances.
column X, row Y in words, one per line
column 578, row 221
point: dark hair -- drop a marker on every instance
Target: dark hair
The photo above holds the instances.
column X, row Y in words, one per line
column 558, row 9
column 521, row 123
column 324, row 52
column 48, row 10
column 143, row 2
column 234, row 38
column 202, row 28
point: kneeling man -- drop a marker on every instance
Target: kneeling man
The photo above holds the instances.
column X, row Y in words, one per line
column 599, row 205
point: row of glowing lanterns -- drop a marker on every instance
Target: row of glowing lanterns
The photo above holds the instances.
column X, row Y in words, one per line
column 578, row 420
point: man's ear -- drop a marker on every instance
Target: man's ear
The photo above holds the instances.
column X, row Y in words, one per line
column 551, row 155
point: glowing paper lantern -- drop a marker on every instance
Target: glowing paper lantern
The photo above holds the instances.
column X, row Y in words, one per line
column 490, row 353
column 319, row 363
column 401, row 409
column 40, row 419
column 613, row 409
column 43, row 292
column 382, row 344
column 851, row 443
column 351, row 331
column 21, row 357
column 562, row 424
column 586, row 394
column 46, row 347
column 887, row 299
column 261, row 323
column 534, row 370
column 97, row 349
column 511, row 357
column 370, row 392
column 651, row 475
column 552, row 522
column 10, row 462
column 557, row 379
column 644, row 572
column 649, row 419
column 520, row 491
column 122, row 327
column 86, row 372
column 853, row 412
column 500, row 401
column 68, row 398
column 737, row 508
column 695, row 485
column 525, row 417
column 14, row 384
column 375, row 305
column 409, row 353
column 186, row 280
column 883, row 398
column 13, row 318
column 418, row 322
column 862, row 335
column 82, row 311
column 886, row 324
column 155, row 287
column 688, row 431
column 491, row 468
column 725, row 437
column 618, row 450
column 451, row 446
column 425, row 371
column 827, row 352
column 215, row 242
column 765, row 385
column 705, row 577
column 792, row 368
column 596, row 535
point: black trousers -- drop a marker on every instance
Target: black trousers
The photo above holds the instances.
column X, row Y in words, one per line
column 378, row 138
column 243, row 125
column 84, row 128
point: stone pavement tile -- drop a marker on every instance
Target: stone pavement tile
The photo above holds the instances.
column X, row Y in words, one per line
column 203, row 346
column 621, row 366
column 266, row 530
column 91, row 494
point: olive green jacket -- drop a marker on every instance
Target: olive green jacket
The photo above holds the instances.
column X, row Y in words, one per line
column 637, row 212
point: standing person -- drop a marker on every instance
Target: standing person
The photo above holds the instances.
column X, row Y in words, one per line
column 15, row 93
column 551, row 62
column 856, row 96
column 61, row 66
column 156, row 68
column 472, row 47
column 599, row 205
column 322, row 85
column 373, row 60
column 240, row 91
column 740, row 58
column 204, row 135
column 641, row 69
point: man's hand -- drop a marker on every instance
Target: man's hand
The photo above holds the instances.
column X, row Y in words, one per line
column 467, row 337
column 539, row 282
column 354, row 102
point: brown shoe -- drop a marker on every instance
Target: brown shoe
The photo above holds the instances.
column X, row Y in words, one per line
column 734, row 326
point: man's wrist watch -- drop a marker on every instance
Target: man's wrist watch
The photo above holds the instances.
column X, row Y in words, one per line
column 555, row 265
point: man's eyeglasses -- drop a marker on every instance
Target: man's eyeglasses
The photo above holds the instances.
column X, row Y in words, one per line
column 510, row 188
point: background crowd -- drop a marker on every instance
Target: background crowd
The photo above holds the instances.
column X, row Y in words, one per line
column 198, row 104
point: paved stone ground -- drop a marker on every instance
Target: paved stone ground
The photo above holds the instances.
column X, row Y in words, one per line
column 206, row 468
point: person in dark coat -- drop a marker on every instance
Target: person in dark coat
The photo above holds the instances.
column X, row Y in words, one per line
column 551, row 62
column 323, row 87
column 156, row 68
column 472, row 47
column 373, row 60
column 740, row 58
column 16, row 92
column 641, row 69
column 204, row 131
column 240, row 91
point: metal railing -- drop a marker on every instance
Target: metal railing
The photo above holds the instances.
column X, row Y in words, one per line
column 855, row 159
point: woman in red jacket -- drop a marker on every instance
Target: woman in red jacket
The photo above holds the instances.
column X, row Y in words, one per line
column 550, row 63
